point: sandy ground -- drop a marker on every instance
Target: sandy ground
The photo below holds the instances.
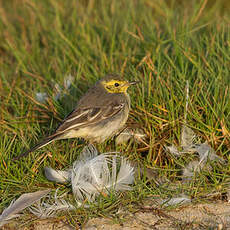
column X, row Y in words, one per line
column 198, row 216
column 201, row 216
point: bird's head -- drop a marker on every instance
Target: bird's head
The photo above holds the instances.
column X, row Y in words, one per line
column 115, row 84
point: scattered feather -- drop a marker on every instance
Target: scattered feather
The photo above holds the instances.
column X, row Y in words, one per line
column 41, row 97
column 57, row 91
column 188, row 144
column 61, row 91
column 187, row 137
column 124, row 178
column 173, row 150
column 46, row 209
column 17, row 206
column 68, row 80
column 58, row 176
column 88, row 152
column 206, row 152
column 88, row 177
column 176, row 201
column 96, row 174
column 137, row 135
column 190, row 170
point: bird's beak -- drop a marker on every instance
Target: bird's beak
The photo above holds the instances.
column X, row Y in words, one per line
column 127, row 84
column 134, row 82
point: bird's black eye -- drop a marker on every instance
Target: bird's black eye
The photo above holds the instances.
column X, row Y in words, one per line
column 116, row 84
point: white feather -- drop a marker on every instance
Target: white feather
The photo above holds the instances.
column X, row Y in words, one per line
column 17, row 206
column 125, row 176
column 89, row 176
column 190, row 170
column 57, row 91
column 176, row 201
column 187, row 137
column 68, row 80
column 206, row 152
column 41, row 97
column 188, row 144
column 49, row 208
column 114, row 170
column 173, row 150
column 88, row 152
column 94, row 174
column 60, row 176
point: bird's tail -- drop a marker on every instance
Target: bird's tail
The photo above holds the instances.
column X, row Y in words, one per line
column 41, row 144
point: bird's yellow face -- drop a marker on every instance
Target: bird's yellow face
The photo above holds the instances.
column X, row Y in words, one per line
column 117, row 86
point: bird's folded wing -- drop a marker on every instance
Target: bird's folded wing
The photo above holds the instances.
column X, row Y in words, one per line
column 80, row 118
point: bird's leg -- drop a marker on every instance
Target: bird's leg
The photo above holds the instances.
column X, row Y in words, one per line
column 116, row 135
column 121, row 130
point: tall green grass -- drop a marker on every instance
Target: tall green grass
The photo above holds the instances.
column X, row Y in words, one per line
column 162, row 43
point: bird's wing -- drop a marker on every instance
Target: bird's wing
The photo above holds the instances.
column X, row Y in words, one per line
column 82, row 117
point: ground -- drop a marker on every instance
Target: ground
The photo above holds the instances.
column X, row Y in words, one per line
column 213, row 215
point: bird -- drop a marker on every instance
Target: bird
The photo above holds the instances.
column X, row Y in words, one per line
column 99, row 114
